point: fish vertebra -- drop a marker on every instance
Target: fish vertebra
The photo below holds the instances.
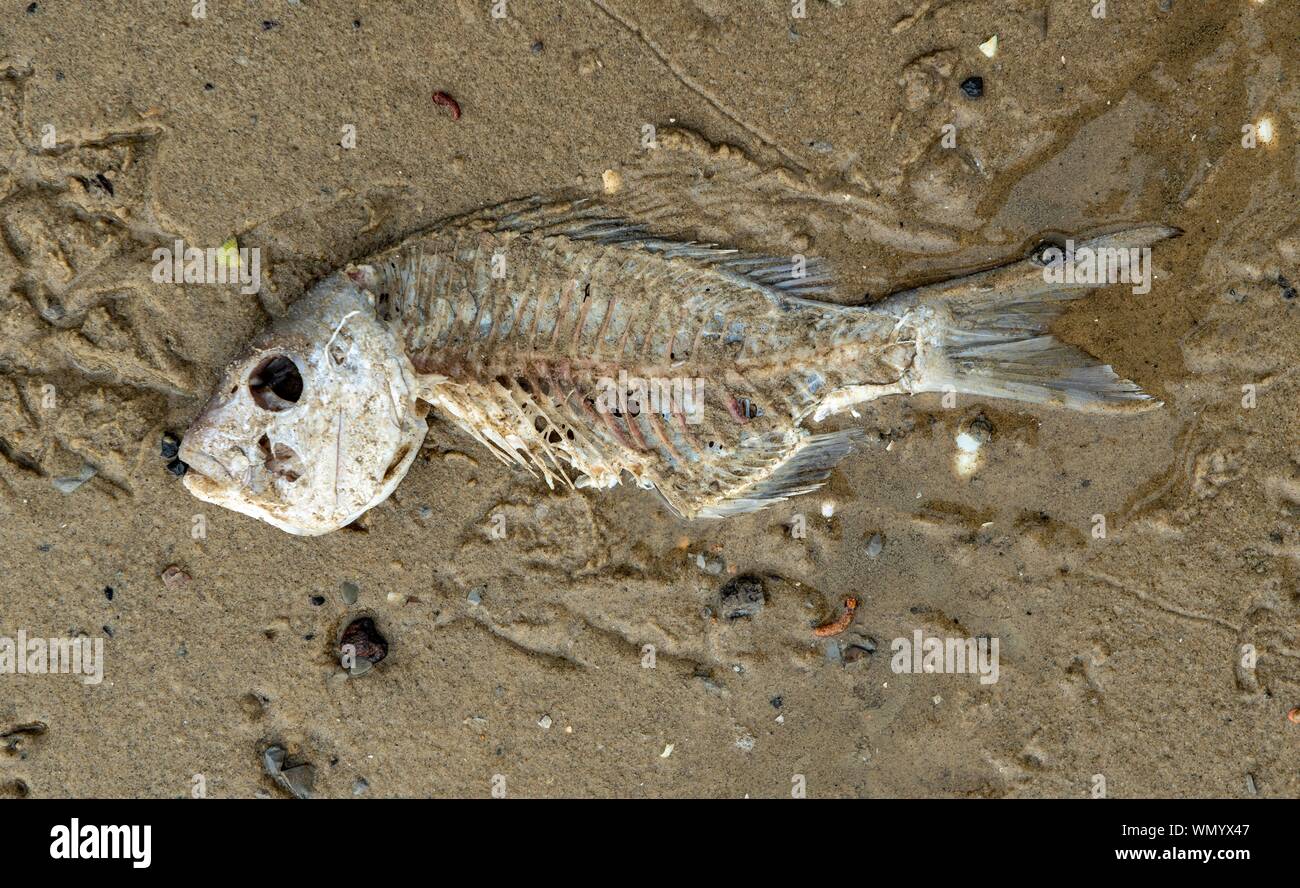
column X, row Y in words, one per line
column 528, row 326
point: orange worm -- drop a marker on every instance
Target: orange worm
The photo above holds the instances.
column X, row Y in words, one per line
column 840, row 623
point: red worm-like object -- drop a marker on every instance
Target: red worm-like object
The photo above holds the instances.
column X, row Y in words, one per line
column 446, row 101
column 840, row 623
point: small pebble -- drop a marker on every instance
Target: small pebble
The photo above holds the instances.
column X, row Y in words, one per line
column 475, row 596
column 875, row 545
column 537, row 47
column 712, row 564
column 177, row 467
column 317, row 600
column 973, row 87
column 545, row 723
column 170, row 446
column 349, row 592
column 360, row 786
column 108, row 592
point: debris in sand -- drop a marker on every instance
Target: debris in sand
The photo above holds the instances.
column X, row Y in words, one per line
column 545, row 723
column 169, row 446
column 174, row 577
column 990, row 47
column 973, row 87
column 228, row 255
column 446, row 101
column 297, row 779
column 349, row 592
column 69, row 483
column 741, row 597
column 1294, row 716
column 840, row 623
column 970, row 442
column 1264, row 130
column 710, row 564
column 875, row 545
column 362, row 646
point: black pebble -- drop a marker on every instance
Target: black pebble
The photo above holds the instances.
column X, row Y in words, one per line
column 108, row 592
column 973, row 87
column 177, row 468
column 170, row 446
column 538, row 47
column 268, row 24
column 209, row 87
column 777, row 702
column 1288, row 291
column 108, row 631
column 31, row 8
column 318, row 600
column 741, row 597
column 356, row 23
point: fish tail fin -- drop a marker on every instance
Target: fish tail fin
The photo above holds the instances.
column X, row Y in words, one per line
column 987, row 335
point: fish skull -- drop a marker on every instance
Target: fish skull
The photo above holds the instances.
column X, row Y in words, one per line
column 317, row 422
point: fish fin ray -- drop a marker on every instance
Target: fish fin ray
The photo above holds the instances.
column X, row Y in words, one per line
column 804, row 468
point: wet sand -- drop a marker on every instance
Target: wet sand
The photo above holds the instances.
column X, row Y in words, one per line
column 1162, row 656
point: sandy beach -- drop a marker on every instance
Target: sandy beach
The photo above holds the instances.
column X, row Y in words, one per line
column 1140, row 573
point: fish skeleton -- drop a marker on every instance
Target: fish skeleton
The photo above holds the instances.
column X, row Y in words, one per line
column 587, row 350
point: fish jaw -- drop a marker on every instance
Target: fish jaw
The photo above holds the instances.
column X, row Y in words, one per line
column 315, row 424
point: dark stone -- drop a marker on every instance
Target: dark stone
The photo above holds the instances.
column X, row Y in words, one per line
column 170, row 446
column 741, row 597
column 365, row 638
column 973, row 87
column 177, row 467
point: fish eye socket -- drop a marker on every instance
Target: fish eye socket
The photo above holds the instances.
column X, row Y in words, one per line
column 276, row 383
